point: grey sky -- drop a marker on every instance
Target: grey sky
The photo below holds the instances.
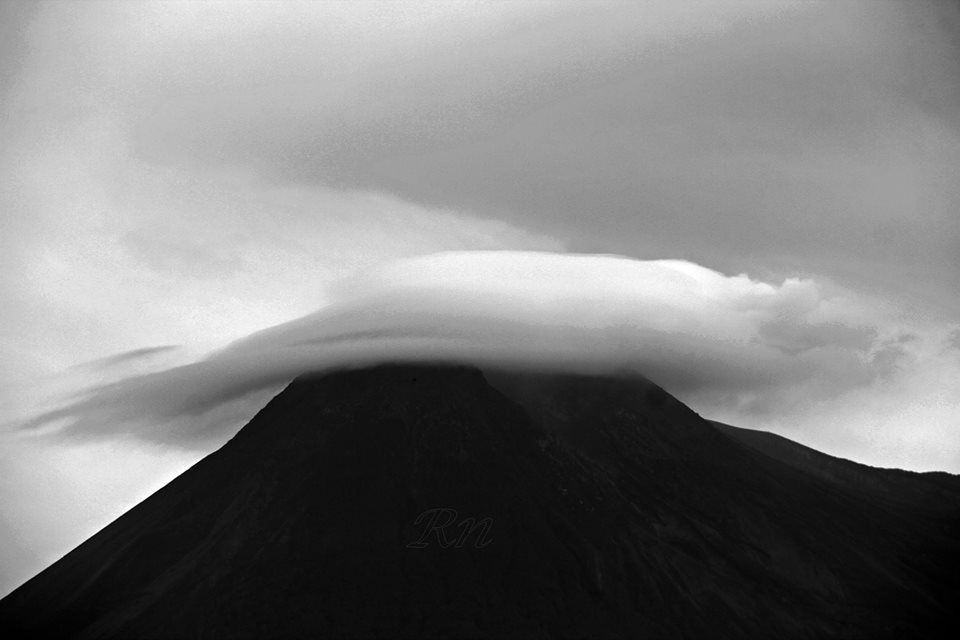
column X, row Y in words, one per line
column 190, row 173
column 821, row 137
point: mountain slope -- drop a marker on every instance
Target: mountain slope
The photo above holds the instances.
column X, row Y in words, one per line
column 601, row 507
column 931, row 491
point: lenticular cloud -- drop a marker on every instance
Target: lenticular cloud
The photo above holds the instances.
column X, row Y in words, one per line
column 689, row 328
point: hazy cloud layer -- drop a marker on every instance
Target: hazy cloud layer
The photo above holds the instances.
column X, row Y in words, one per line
column 813, row 137
column 727, row 344
column 773, row 137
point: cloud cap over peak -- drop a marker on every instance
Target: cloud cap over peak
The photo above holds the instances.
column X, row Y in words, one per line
column 725, row 342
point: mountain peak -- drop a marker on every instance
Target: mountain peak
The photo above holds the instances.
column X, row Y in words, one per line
column 444, row 501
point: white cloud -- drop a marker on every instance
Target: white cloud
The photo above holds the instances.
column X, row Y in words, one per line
column 735, row 348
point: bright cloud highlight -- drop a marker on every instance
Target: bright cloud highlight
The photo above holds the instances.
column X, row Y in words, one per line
column 731, row 346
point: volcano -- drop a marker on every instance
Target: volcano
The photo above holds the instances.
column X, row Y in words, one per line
column 431, row 501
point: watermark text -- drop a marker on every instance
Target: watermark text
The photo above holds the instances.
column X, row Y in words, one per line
column 441, row 525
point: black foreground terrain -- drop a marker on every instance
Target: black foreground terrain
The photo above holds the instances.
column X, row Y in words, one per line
column 549, row 505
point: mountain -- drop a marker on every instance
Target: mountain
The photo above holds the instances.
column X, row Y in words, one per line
column 437, row 501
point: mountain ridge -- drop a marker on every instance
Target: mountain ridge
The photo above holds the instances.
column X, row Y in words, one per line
column 932, row 490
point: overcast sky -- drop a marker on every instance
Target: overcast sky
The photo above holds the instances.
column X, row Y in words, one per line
column 777, row 178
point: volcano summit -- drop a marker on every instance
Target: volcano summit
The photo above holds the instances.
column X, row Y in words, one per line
column 444, row 501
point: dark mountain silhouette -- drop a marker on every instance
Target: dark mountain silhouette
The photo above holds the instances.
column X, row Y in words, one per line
column 574, row 506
